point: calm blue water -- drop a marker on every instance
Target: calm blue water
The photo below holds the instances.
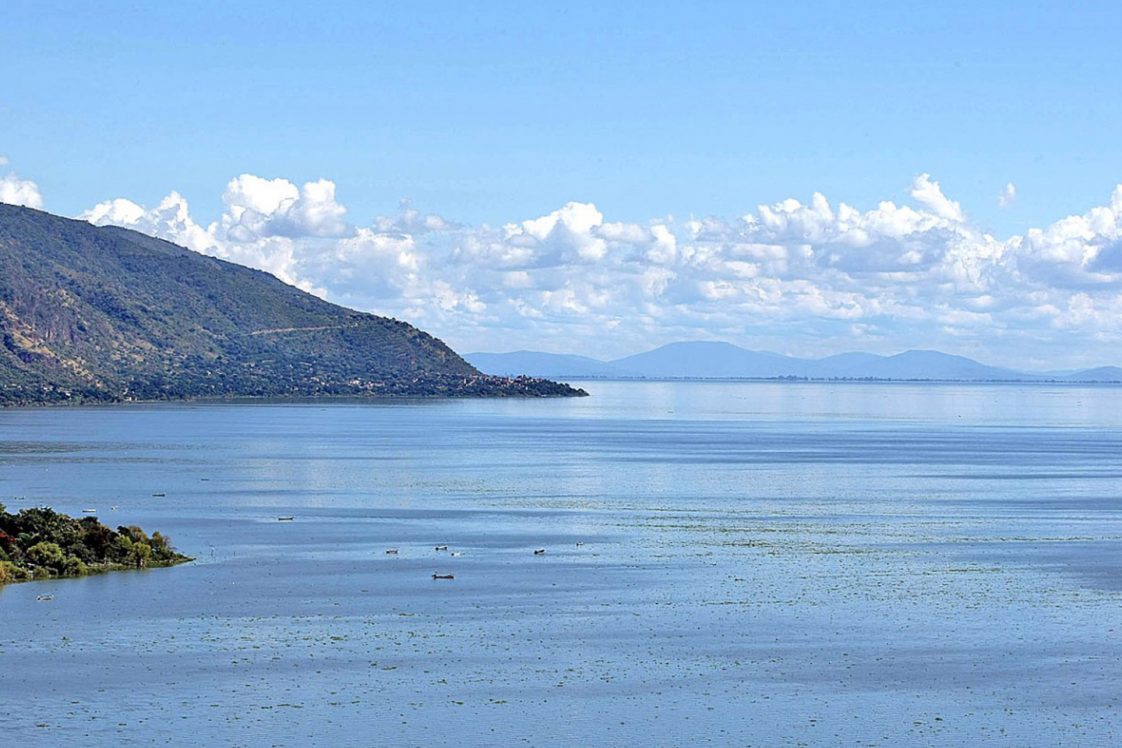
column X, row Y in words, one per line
column 761, row 565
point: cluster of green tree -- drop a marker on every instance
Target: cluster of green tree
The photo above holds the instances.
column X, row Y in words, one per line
column 92, row 314
column 41, row 543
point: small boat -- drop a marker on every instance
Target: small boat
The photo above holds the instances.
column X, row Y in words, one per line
column 442, row 576
column 44, row 598
column 89, row 511
column 285, row 518
column 456, row 554
column 580, row 544
column 440, row 548
column 539, row 551
column 159, row 495
column 391, row 551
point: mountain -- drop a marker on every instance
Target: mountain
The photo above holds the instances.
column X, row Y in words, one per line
column 918, row 365
column 553, row 365
column 713, row 359
column 1100, row 374
column 844, row 365
column 107, row 314
column 716, row 360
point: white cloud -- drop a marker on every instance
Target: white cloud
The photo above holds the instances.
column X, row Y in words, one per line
column 570, row 233
column 1007, row 196
column 171, row 220
column 792, row 276
column 259, row 207
column 411, row 221
column 117, row 212
column 929, row 194
column 16, row 191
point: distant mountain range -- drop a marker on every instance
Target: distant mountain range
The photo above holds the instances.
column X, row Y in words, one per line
column 108, row 314
column 715, row 360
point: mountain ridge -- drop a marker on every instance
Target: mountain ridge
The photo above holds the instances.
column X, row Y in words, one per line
column 721, row 360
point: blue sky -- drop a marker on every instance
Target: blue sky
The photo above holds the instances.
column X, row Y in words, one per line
column 507, row 112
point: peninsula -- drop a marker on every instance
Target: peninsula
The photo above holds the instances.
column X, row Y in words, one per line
column 104, row 314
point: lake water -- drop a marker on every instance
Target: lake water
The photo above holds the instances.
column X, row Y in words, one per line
column 726, row 563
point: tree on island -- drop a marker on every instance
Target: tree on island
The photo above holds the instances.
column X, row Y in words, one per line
column 40, row 543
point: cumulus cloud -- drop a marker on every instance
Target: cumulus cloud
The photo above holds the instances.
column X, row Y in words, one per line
column 1007, row 196
column 929, row 194
column 170, row 219
column 800, row 277
column 570, row 234
column 259, row 207
column 16, row 191
column 409, row 220
column 229, row 238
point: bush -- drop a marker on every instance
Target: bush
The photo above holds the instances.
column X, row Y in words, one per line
column 120, row 548
column 140, row 554
column 75, row 567
column 47, row 555
column 9, row 572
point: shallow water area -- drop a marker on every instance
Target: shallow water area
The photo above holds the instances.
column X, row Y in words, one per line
column 725, row 563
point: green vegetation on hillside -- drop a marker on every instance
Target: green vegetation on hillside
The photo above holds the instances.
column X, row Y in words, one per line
column 43, row 544
column 105, row 314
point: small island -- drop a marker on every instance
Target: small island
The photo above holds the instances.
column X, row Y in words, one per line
column 41, row 543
